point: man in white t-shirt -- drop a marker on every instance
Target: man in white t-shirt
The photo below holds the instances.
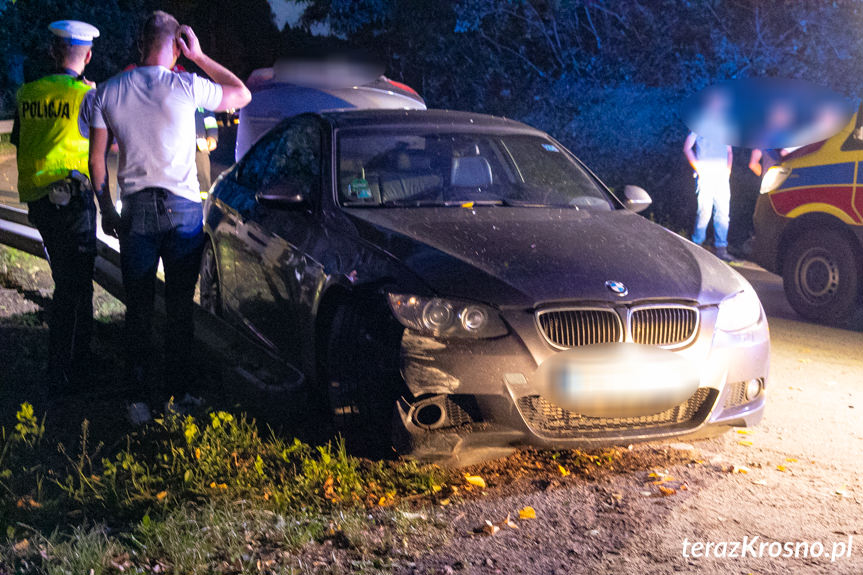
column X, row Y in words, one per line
column 150, row 111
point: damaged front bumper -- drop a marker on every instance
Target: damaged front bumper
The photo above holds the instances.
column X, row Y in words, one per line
column 481, row 395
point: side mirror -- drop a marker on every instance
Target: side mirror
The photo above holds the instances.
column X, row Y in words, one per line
column 284, row 193
column 636, row 199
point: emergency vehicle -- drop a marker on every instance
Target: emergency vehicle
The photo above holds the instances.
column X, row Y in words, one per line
column 809, row 225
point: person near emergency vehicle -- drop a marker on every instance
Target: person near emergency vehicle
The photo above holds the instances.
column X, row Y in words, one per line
column 711, row 160
column 50, row 132
column 161, row 215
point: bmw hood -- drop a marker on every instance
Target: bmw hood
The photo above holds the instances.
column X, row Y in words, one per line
column 525, row 257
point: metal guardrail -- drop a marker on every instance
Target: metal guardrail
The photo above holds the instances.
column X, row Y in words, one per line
column 263, row 370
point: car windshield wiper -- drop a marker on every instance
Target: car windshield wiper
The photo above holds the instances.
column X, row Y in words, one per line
column 408, row 203
column 466, row 203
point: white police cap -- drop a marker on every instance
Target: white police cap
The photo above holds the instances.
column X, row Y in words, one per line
column 74, row 32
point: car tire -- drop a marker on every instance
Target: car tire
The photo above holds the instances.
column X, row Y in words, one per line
column 362, row 377
column 210, row 288
column 821, row 277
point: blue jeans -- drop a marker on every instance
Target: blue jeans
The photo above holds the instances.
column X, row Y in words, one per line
column 714, row 198
column 157, row 224
column 69, row 236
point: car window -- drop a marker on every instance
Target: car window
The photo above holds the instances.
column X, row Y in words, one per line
column 290, row 153
column 398, row 169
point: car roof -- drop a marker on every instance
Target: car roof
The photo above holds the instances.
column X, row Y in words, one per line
column 437, row 118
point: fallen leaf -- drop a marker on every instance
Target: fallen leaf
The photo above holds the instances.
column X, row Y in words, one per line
column 666, row 491
column 660, row 478
column 745, row 443
column 527, row 513
column 508, row 522
column 489, row 528
column 791, row 460
column 28, row 502
column 563, row 470
column 444, row 502
column 161, row 495
column 475, row 480
column 22, row 545
column 744, row 431
column 781, row 468
column 329, row 492
column 740, row 469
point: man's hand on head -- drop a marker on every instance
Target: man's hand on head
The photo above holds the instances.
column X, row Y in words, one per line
column 189, row 43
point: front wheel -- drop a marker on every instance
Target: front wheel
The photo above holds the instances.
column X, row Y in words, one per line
column 361, row 375
column 821, row 277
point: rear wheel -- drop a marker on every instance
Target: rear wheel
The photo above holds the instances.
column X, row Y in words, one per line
column 208, row 283
column 821, row 276
column 361, row 375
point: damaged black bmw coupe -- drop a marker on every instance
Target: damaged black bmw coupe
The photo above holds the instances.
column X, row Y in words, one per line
column 447, row 280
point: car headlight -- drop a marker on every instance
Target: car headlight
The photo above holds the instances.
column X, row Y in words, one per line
column 739, row 311
column 774, row 178
column 444, row 318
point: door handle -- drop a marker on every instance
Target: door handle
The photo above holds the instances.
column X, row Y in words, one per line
column 255, row 238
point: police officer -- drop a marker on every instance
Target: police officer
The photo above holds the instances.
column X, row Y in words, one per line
column 51, row 134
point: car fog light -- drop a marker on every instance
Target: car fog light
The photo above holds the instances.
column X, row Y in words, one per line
column 437, row 315
column 753, row 389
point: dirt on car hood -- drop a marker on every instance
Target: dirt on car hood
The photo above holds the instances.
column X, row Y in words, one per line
column 524, row 257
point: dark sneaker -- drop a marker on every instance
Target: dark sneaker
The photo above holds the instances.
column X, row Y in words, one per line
column 722, row 253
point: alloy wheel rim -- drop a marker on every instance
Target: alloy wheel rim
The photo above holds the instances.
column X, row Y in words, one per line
column 818, row 276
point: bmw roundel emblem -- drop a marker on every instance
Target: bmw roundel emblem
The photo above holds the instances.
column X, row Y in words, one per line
column 617, row 287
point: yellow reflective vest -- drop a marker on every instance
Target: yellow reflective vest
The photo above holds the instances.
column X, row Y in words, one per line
column 50, row 143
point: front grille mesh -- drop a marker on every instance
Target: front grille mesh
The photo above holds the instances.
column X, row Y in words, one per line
column 576, row 327
column 663, row 326
column 549, row 420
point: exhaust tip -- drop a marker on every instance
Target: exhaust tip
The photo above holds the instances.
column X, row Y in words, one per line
column 429, row 413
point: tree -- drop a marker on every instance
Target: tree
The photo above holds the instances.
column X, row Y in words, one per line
column 604, row 77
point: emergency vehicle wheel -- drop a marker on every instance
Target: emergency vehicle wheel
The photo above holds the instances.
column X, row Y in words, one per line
column 821, row 277
column 210, row 289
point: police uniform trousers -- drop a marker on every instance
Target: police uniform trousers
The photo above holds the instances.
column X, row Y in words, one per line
column 69, row 236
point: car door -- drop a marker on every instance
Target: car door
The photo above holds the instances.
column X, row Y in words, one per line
column 234, row 197
column 276, row 279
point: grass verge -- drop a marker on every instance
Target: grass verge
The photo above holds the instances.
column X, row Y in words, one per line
column 200, row 495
